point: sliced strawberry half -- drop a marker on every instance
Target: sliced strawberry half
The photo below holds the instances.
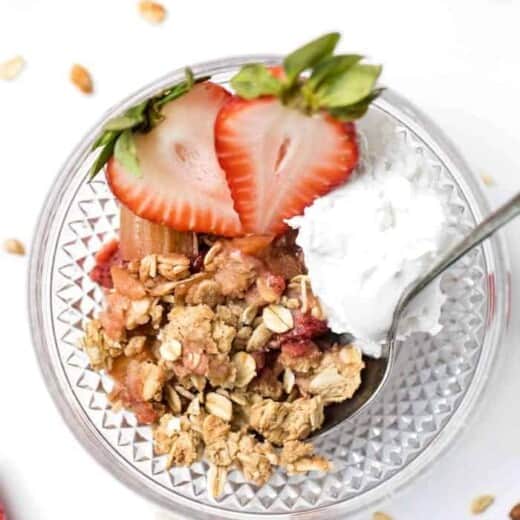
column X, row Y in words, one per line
column 182, row 184
column 278, row 160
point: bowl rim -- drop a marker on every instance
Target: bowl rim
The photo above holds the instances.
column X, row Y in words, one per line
column 87, row 434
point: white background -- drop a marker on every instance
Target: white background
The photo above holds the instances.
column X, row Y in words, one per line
column 458, row 60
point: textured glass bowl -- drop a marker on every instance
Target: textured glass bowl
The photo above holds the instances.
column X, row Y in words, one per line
column 434, row 385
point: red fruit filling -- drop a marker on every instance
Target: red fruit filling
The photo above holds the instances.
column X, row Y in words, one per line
column 106, row 257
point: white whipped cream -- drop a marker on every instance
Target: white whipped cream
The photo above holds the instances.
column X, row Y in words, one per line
column 367, row 240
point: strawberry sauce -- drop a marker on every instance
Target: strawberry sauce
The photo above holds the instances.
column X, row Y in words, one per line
column 106, row 257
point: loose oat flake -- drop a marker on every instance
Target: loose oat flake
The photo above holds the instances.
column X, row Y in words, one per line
column 154, row 12
column 481, row 503
column 12, row 68
column 170, row 349
column 81, row 78
column 487, row 179
column 514, row 514
column 381, row 516
column 278, row 318
column 288, row 380
column 219, row 405
column 245, row 368
column 216, row 479
column 14, row 247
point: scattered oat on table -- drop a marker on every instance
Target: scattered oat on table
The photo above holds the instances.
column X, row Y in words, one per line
column 10, row 69
column 487, row 179
column 378, row 515
column 14, row 247
column 514, row 514
column 81, row 78
column 481, row 503
column 152, row 11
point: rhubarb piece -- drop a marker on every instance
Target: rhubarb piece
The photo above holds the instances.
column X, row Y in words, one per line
column 140, row 237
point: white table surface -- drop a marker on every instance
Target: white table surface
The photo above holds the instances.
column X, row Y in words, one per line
column 458, row 60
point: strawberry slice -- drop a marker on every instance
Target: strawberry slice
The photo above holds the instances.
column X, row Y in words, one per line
column 181, row 183
column 278, row 160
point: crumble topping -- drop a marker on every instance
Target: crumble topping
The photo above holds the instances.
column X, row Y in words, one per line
column 230, row 363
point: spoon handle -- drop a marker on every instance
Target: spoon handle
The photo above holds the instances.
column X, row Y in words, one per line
column 486, row 228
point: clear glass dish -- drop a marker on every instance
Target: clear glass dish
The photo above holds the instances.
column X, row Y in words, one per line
column 434, row 385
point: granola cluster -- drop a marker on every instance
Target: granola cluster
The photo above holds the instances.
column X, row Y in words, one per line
column 227, row 354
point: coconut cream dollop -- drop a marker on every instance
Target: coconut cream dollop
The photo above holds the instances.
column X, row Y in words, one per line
column 366, row 241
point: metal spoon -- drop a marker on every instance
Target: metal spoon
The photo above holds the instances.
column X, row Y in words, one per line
column 376, row 371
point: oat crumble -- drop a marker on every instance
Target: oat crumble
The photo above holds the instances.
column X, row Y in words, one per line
column 222, row 361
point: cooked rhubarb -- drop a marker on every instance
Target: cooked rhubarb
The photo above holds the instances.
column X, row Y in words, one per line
column 140, row 237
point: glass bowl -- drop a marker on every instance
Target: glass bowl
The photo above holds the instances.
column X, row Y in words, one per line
column 434, row 385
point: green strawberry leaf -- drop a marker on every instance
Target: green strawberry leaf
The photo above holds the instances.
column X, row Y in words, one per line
column 254, row 80
column 336, row 82
column 357, row 110
column 178, row 90
column 131, row 118
column 331, row 67
column 350, row 87
column 104, row 155
column 170, row 95
column 104, row 138
column 309, row 55
column 122, row 123
column 125, row 153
